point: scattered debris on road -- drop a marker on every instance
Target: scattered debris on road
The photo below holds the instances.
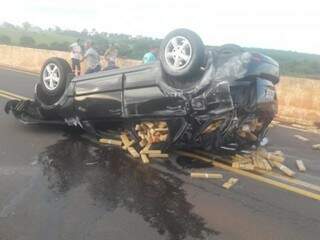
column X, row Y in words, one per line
column 261, row 160
column 301, row 138
column 127, row 146
column 273, row 123
column 264, row 142
column 206, row 175
column 152, row 132
column 110, row 141
column 316, row 147
column 232, row 181
column 126, row 142
column 144, row 158
column 214, row 160
column 300, row 165
column 91, row 163
column 34, row 163
column 284, row 169
column 158, row 155
column 276, row 156
column 149, row 133
column 278, row 153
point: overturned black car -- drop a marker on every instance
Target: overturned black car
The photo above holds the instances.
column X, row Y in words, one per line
column 207, row 97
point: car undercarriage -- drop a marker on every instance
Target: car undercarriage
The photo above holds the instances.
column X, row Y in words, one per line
column 206, row 97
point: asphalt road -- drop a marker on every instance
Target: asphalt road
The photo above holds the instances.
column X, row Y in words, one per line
column 56, row 185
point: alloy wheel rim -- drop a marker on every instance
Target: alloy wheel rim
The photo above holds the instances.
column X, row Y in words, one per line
column 178, row 52
column 51, row 76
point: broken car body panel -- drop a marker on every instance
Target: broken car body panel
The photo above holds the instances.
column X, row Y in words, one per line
column 233, row 88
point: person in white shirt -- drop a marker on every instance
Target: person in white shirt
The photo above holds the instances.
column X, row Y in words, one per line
column 76, row 53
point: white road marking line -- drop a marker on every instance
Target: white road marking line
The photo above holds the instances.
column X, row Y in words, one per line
column 259, row 178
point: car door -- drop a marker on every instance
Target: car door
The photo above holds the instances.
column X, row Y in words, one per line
column 99, row 96
column 144, row 97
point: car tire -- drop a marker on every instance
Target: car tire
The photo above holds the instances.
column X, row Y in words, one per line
column 182, row 53
column 54, row 77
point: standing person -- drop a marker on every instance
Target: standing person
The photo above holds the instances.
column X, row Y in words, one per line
column 76, row 53
column 110, row 56
column 92, row 57
column 150, row 56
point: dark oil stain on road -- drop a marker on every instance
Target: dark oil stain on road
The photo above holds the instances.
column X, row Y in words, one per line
column 114, row 181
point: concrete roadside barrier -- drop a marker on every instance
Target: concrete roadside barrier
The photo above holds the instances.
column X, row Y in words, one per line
column 31, row 59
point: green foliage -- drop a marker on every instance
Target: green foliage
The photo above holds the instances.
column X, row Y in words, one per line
column 100, row 43
column 43, row 46
column 60, row 46
column 26, row 26
column 8, row 25
column 4, row 39
column 39, row 35
column 27, row 41
column 134, row 47
column 294, row 63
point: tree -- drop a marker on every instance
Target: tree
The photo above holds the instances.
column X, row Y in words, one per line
column 100, row 43
column 4, row 39
column 291, row 63
column 35, row 29
column 57, row 29
column 72, row 33
column 27, row 41
column 26, row 26
column 8, row 25
column 93, row 32
column 43, row 46
column 84, row 32
column 60, row 46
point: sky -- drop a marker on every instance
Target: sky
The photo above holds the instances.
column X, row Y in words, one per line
column 274, row 24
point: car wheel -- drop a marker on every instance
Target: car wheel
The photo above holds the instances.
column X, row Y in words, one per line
column 54, row 77
column 182, row 53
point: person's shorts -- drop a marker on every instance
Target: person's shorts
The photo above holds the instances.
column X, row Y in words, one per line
column 93, row 70
column 75, row 64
